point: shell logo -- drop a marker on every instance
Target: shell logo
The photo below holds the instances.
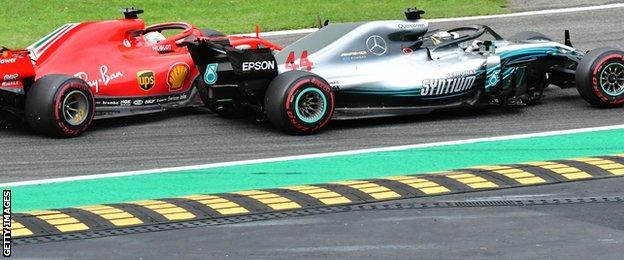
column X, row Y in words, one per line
column 177, row 75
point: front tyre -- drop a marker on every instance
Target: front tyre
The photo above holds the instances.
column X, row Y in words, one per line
column 600, row 77
column 299, row 102
column 60, row 106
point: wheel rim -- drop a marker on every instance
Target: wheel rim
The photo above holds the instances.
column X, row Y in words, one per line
column 310, row 105
column 75, row 108
column 612, row 79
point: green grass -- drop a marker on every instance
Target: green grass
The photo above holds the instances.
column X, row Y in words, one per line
column 23, row 22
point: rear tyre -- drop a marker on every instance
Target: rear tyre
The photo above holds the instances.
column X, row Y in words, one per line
column 600, row 77
column 60, row 106
column 299, row 102
column 528, row 36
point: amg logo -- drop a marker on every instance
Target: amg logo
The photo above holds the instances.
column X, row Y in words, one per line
column 433, row 87
column 258, row 65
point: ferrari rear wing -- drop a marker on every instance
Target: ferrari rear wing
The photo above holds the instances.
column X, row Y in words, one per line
column 17, row 70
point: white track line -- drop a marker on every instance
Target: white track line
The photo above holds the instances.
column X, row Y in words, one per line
column 468, row 18
column 311, row 156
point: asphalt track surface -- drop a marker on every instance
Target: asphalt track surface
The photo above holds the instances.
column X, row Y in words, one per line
column 576, row 231
column 192, row 136
column 533, row 5
column 579, row 231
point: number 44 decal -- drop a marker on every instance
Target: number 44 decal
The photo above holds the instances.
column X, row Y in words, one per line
column 303, row 62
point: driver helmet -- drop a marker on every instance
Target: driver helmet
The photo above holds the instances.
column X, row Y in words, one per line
column 154, row 37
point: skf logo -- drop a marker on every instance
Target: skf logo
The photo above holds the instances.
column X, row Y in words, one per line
column 176, row 76
column 146, row 79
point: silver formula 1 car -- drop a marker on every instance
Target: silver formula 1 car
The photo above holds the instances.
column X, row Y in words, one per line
column 389, row 68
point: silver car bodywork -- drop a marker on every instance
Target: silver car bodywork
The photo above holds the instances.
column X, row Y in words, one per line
column 389, row 68
column 376, row 69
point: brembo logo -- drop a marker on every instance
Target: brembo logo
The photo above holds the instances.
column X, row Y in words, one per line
column 258, row 65
column 433, row 87
column 7, row 61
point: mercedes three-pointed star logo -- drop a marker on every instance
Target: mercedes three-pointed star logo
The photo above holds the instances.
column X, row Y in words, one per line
column 376, row 45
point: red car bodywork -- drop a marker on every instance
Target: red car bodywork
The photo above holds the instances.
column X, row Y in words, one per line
column 126, row 73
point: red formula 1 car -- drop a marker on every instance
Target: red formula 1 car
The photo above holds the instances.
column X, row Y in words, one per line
column 91, row 70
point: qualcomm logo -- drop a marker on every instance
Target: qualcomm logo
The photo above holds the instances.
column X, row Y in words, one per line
column 376, row 45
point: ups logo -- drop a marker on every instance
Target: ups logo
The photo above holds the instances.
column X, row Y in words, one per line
column 146, row 79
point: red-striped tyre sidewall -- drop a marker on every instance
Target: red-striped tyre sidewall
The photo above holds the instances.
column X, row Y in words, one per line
column 598, row 91
column 64, row 128
column 299, row 86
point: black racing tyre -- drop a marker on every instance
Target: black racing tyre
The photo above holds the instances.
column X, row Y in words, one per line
column 60, row 106
column 600, row 77
column 528, row 36
column 212, row 33
column 299, row 102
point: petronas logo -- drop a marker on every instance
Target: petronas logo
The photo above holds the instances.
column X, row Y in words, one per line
column 211, row 74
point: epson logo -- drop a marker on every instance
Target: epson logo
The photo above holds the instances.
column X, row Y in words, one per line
column 433, row 87
column 258, row 65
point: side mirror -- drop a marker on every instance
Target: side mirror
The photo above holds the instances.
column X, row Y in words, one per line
column 413, row 13
column 487, row 47
column 131, row 13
